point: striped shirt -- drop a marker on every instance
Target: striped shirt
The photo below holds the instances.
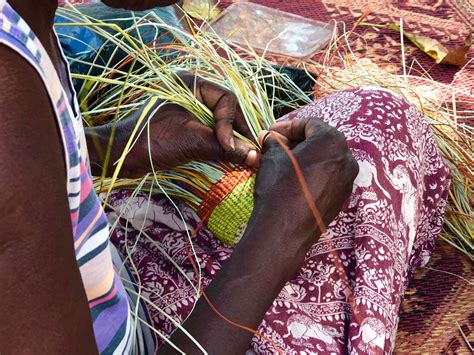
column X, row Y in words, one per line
column 107, row 298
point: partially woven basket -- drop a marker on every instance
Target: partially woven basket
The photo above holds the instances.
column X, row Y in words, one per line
column 227, row 206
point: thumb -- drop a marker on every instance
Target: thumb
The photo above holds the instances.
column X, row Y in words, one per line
column 244, row 154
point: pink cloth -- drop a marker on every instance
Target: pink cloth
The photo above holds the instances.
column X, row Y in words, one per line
column 397, row 205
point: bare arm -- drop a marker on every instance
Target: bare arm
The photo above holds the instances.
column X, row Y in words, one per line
column 280, row 232
column 177, row 137
column 43, row 305
column 243, row 291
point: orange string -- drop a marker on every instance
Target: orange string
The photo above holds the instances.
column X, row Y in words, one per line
column 317, row 216
column 322, row 227
column 218, row 313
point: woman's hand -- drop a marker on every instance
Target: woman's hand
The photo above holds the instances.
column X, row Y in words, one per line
column 278, row 236
column 176, row 137
column 327, row 166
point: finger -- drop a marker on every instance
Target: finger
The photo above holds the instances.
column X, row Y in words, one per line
column 212, row 95
column 240, row 124
column 244, row 154
column 299, row 130
column 224, row 105
column 253, row 159
column 294, row 131
column 270, row 139
column 262, row 137
column 227, row 111
column 204, row 145
column 229, row 117
column 224, row 115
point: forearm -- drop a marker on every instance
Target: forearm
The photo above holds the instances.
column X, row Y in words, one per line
column 44, row 307
column 243, row 291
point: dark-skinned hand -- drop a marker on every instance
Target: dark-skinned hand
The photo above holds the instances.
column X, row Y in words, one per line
column 327, row 165
column 177, row 137
column 278, row 236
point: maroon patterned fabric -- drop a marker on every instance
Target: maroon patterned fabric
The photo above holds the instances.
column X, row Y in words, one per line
column 387, row 229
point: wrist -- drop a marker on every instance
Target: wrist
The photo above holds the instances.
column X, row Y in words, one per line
column 276, row 240
column 293, row 225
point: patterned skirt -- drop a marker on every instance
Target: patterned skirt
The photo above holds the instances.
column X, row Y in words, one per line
column 347, row 295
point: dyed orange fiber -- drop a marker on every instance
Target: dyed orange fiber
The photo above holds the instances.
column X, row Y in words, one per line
column 221, row 189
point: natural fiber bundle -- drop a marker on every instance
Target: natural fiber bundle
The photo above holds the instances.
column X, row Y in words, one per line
column 222, row 193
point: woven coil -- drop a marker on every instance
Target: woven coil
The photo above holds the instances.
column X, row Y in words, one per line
column 228, row 205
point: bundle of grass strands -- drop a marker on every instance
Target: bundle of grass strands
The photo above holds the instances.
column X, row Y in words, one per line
column 222, row 193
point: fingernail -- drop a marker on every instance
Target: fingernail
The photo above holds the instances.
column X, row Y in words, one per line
column 252, row 158
column 231, row 143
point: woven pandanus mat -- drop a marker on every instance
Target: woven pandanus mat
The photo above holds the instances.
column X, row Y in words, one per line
column 438, row 305
column 448, row 21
